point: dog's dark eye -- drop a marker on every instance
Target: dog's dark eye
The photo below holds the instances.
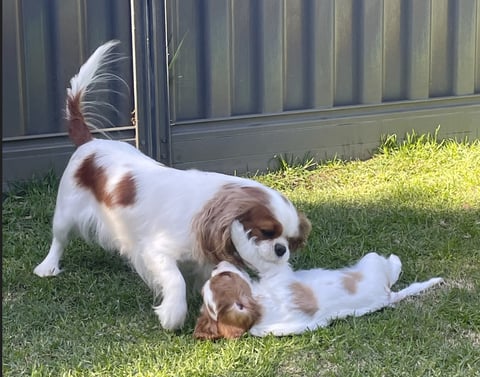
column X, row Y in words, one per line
column 267, row 233
column 239, row 306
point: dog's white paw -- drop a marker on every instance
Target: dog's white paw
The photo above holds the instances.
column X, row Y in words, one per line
column 395, row 260
column 395, row 268
column 171, row 316
column 238, row 233
column 46, row 269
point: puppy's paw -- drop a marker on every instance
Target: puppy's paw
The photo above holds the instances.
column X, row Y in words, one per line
column 395, row 260
column 47, row 269
column 238, row 233
column 395, row 268
column 171, row 315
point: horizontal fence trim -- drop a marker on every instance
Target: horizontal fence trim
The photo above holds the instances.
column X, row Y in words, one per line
column 49, row 136
column 238, row 144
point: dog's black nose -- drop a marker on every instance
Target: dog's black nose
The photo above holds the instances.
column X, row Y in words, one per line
column 280, row 249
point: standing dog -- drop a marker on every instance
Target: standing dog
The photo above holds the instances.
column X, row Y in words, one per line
column 286, row 302
column 154, row 215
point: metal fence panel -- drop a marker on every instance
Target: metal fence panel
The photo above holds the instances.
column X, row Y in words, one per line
column 243, row 67
column 44, row 44
column 270, row 56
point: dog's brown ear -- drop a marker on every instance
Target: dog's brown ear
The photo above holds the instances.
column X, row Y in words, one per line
column 206, row 327
column 231, row 331
column 304, row 229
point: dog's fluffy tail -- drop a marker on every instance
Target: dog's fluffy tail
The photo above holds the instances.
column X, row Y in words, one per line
column 78, row 110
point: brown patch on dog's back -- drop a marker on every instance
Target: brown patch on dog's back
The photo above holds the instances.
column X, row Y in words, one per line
column 350, row 281
column 304, row 298
column 93, row 177
column 125, row 191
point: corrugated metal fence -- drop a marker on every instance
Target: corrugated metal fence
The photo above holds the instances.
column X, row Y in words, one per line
column 340, row 73
column 248, row 79
column 251, row 57
column 44, row 44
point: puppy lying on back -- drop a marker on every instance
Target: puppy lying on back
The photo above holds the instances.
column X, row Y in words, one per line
column 284, row 301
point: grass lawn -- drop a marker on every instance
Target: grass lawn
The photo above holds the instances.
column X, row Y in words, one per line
column 419, row 200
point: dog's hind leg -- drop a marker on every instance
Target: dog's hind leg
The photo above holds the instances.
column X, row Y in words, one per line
column 395, row 268
column 413, row 289
column 50, row 266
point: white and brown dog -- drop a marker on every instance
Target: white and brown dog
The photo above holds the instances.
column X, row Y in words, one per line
column 154, row 215
column 284, row 301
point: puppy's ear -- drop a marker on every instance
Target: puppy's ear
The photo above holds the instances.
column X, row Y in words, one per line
column 304, row 229
column 240, row 317
column 231, row 331
column 305, row 226
column 206, row 327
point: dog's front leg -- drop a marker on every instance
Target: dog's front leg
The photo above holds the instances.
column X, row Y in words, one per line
column 165, row 277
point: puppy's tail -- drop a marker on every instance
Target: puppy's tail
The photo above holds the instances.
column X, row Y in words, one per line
column 78, row 110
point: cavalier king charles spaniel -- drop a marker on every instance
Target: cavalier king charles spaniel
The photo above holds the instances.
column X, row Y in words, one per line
column 284, row 302
column 154, row 215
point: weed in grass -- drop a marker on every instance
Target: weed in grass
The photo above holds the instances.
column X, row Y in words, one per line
column 419, row 199
column 285, row 162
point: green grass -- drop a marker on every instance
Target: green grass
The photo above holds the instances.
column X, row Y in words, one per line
column 420, row 200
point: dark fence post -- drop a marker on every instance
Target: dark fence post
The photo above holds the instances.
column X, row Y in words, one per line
column 151, row 78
